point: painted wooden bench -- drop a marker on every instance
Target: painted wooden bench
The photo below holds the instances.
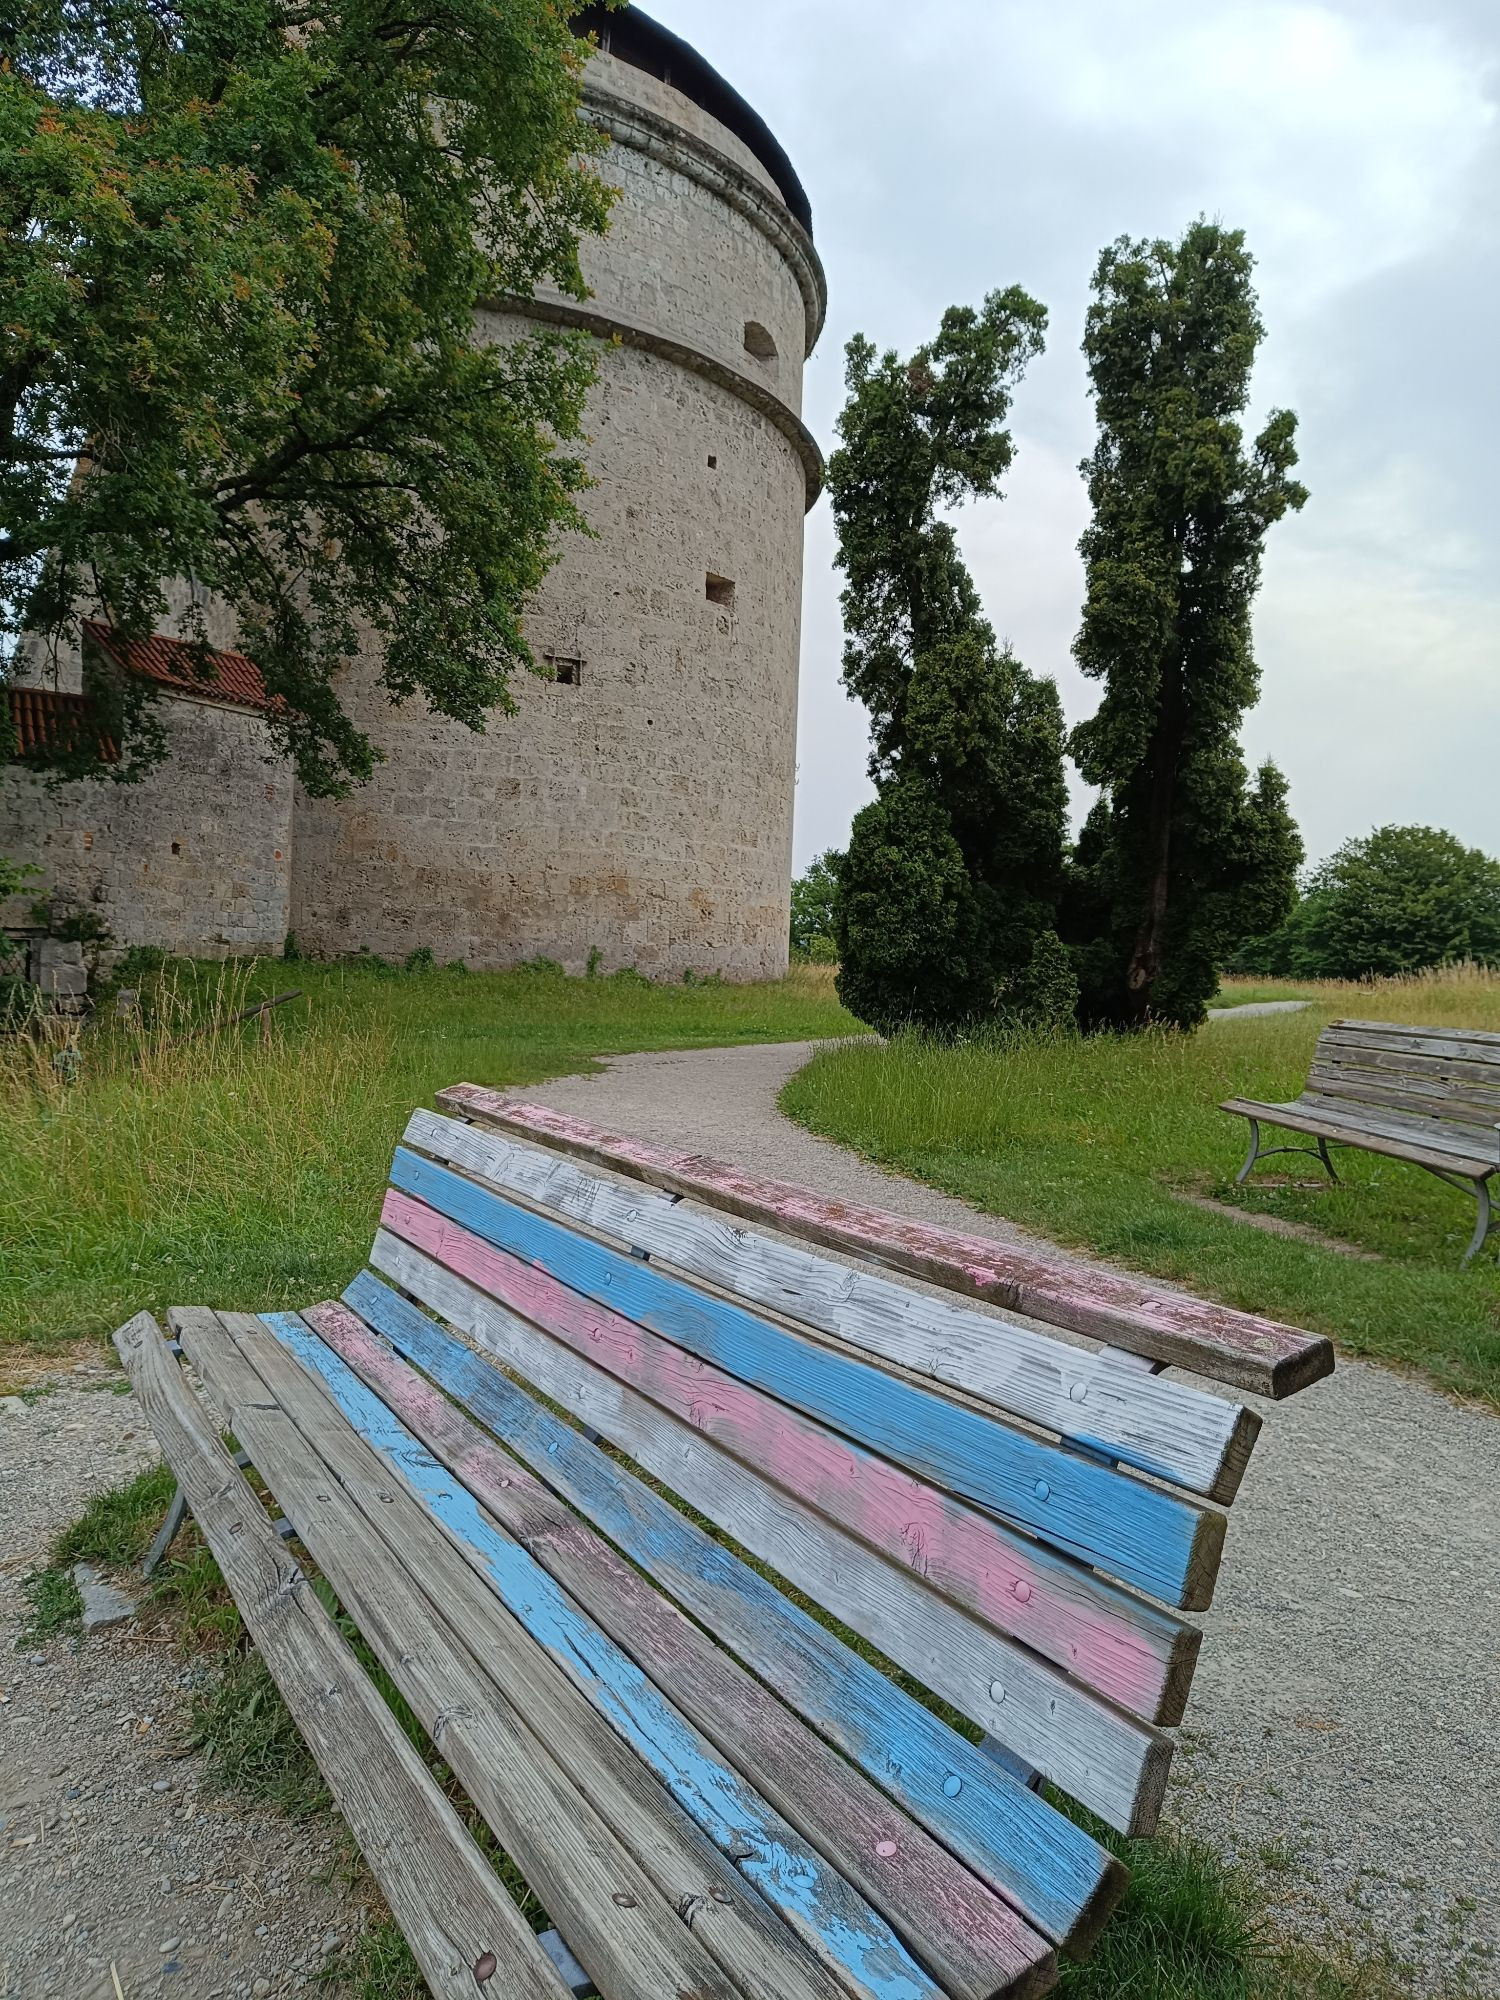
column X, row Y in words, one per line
column 1429, row 1096
column 709, row 1789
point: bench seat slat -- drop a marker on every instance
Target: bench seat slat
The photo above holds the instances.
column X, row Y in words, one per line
column 1111, row 1762
column 1112, row 1306
column 447, row 1899
column 1053, row 1873
column 813, row 1898
column 973, row 1942
column 1324, row 1122
column 1167, row 1546
column 1393, row 1123
column 586, row 1832
column 1165, row 1428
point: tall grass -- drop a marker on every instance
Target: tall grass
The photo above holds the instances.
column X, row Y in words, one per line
column 1095, row 1143
column 184, row 1157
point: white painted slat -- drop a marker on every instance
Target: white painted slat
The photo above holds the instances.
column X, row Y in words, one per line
column 1112, row 1762
column 1177, row 1432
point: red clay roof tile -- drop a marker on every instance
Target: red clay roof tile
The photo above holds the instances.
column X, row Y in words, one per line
column 231, row 677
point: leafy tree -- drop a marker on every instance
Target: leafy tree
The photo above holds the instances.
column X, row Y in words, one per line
column 1183, row 856
column 241, row 246
column 1401, row 900
column 814, row 908
column 953, row 870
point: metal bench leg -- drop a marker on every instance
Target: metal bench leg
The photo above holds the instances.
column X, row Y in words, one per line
column 167, row 1532
column 1323, row 1155
column 572, row 1973
column 1252, row 1156
column 1482, row 1225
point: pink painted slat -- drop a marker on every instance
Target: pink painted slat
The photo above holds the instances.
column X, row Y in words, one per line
column 976, row 1942
column 956, row 1550
column 1237, row 1347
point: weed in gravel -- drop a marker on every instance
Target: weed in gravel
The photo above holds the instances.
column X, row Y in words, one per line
column 117, row 1527
column 55, row 1605
column 378, row 1965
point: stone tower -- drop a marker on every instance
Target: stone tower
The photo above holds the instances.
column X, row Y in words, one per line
column 640, row 803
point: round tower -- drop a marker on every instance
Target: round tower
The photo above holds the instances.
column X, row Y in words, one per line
column 639, row 805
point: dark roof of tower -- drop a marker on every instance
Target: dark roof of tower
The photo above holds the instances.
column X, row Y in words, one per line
column 633, row 37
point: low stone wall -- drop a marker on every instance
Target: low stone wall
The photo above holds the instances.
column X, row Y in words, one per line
column 195, row 858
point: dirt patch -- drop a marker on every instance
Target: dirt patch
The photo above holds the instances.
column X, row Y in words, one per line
column 121, row 1868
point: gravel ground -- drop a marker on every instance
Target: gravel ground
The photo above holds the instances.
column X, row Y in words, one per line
column 1342, row 1734
column 117, row 1862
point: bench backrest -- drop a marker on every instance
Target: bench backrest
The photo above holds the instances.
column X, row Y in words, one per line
column 963, row 1493
column 1448, row 1075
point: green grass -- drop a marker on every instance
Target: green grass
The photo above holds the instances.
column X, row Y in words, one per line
column 220, row 1168
column 1094, row 1143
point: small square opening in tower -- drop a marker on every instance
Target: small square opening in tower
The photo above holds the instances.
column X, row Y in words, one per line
column 718, row 589
column 759, row 341
column 564, row 668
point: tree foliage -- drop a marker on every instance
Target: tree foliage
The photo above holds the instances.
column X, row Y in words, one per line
column 952, row 871
column 814, row 910
column 241, row 245
column 1400, row 900
column 1183, row 856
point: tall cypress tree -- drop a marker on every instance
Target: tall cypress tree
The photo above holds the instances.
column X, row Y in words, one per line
column 953, row 871
column 1182, row 857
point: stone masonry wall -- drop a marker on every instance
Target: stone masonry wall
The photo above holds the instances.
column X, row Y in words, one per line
column 195, row 858
column 645, row 809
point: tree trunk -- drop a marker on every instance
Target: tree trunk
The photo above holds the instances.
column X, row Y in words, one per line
column 1145, row 959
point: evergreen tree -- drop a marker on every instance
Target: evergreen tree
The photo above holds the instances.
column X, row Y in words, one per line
column 1182, row 857
column 952, row 872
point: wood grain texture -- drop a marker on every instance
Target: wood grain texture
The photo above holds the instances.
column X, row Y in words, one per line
column 1162, row 1544
column 448, row 1901
column 1139, row 1656
column 1239, row 1348
column 1052, row 1872
column 1168, row 1429
column 1111, row 1762
column 1372, row 1134
column 814, row 1899
column 494, row 1705
column 974, row 1944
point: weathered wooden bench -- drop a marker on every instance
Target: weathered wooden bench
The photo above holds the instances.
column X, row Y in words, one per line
column 710, row 1790
column 1429, row 1096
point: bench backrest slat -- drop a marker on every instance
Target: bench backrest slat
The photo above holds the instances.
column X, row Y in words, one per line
column 1164, row 1545
column 1117, row 1307
column 1050, row 1869
column 1166, row 1428
column 1112, row 1762
column 1448, row 1076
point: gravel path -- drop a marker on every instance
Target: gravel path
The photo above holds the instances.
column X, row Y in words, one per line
column 1343, row 1735
column 117, row 1861
column 1254, row 1008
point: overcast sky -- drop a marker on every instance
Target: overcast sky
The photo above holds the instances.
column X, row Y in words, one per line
column 952, row 146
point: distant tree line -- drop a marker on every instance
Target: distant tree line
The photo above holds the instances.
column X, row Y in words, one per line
column 960, row 899
column 1402, row 900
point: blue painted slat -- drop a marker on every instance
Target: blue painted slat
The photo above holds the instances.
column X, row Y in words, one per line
column 1047, row 1866
column 1137, row 1532
column 792, row 1877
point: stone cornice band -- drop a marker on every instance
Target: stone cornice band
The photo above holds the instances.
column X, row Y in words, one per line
column 643, row 132
column 566, row 312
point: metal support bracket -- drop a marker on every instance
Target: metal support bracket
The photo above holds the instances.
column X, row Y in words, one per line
column 1259, row 1152
column 569, row 1970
